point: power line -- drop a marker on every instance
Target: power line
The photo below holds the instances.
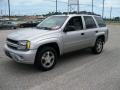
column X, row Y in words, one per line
column 57, row 1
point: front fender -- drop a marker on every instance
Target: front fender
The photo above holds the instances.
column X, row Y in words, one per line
column 35, row 45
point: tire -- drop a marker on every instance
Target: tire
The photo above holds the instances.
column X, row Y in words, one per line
column 14, row 28
column 98, row 48
column 46, row 58
column 21, row 26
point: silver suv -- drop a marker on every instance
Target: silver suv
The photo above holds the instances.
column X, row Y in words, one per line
column 56, row 36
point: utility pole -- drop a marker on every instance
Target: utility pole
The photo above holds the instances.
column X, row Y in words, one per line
column 56, row 6
column 1, row 12
column 92, row 6
column 9, row 8
column 68, row 7
column 103, row 9
column 110, row 13
column 5, row 12
column 78, row 6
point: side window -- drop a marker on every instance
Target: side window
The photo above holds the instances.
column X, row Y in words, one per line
column 76, row 23
column 100, row 21
column 89, row 22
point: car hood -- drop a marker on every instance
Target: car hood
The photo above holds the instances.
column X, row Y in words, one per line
column 28, row 34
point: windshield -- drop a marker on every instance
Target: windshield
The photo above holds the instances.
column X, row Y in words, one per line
column 52, row 23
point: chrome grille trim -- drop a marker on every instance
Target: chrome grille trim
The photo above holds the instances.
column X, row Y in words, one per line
column 13, row 44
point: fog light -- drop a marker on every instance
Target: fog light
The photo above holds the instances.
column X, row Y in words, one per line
column 19, row 58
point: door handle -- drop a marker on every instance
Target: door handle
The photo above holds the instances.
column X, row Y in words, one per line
column 82, row 33
column 96, row 31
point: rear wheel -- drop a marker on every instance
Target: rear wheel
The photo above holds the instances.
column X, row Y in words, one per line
column 46, row 58
column 13, row 27
column 98, row 48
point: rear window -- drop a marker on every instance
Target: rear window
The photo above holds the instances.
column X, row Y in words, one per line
column 89, row 21
column 100, row 21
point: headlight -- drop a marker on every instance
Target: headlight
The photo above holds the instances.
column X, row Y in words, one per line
column 23, row 45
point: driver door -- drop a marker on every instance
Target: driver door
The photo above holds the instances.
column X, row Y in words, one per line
column 73, row 35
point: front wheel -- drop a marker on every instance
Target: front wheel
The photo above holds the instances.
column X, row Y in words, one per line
column 98, row 48
column 46, row 58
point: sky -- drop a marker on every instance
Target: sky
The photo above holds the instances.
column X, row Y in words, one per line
column 33, row 7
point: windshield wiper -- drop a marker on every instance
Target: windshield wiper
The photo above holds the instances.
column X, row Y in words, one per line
column 45, row 28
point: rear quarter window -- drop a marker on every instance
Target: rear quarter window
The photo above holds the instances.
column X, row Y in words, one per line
column 100, row 21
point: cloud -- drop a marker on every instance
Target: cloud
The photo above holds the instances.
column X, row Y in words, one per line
column 44, row 6
column 80, row 1
column 25, row 2
column 112, row 3
column 115, row 3
column 108, row 3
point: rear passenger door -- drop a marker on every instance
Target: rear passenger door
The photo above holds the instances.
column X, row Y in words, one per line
column 90, row 30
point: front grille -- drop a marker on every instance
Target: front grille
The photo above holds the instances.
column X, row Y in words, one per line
column 12, row 41
column 12, row 47
column 13, row 44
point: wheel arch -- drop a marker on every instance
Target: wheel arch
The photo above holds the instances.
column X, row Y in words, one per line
column 101, row 37
column 52, row 44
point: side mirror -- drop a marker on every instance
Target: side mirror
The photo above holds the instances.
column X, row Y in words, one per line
column 69, row 28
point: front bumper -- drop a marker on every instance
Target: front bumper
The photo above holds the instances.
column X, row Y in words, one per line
column 27, row 57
